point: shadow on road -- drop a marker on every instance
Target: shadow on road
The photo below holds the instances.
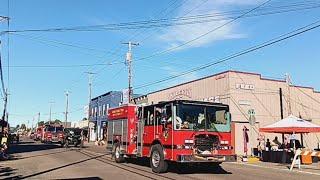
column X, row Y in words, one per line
column 56, row 168
column 30, row 147
column 184, row 168
column 89, row 178
column 7, row 171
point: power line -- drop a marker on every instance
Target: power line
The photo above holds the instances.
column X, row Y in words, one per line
column 64, row 66
column 39, row 39
column 137, row 33
column 156, row 23
column 204, row 34
column 278, row 39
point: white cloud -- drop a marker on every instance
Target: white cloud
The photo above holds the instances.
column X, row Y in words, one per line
column 177, row 35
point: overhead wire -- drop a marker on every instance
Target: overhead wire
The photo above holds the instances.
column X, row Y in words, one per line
column 149, row 23
column 278, row 39
column 45, row 41
column 137, row 32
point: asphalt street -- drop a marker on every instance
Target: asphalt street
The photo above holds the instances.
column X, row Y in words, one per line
column 33, row 160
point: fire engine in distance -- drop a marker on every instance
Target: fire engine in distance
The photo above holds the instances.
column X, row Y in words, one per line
column 179, row 131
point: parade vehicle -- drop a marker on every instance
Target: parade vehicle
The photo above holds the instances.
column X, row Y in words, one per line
column 52, row 134
column 72, row 136
column 182, row 131
column 39, row 133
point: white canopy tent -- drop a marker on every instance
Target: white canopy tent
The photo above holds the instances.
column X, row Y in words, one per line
column 291, row 125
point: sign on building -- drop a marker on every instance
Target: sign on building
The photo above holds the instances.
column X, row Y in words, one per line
column 245, row 86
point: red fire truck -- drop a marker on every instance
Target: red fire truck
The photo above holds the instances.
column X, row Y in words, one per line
column 180, row 131
column 39, row 133
column 50, row 133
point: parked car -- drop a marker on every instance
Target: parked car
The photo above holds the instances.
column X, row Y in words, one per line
column 72, row 136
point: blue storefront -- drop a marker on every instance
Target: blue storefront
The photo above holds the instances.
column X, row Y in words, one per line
column 98, row 110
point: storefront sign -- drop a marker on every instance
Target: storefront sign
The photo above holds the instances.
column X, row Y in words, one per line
column 180, row 94
column 215, row 99
column 245, row 86
column 117, row 113
column 244, row 102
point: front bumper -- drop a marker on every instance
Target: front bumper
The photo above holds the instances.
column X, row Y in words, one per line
column 214, row 158
column 55, row 140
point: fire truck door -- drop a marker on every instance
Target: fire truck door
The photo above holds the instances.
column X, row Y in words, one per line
column 140, row 137
column 146, row 130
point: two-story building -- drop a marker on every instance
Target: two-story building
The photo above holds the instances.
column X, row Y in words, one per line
column 98, row 109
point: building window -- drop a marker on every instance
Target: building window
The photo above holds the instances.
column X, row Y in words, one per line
column 95, row 112
column 92, row 112
column 108, row 106
column 99, row 111
column 104, row 110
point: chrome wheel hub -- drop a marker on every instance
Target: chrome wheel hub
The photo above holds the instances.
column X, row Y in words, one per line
column 155, row 159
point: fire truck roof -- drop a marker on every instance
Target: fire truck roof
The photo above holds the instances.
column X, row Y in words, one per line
column 193, row 102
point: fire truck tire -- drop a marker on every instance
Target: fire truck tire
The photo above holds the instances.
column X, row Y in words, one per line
column 117, row 153
column 157, row 161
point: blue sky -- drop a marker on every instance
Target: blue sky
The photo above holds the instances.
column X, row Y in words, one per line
column 31, row 89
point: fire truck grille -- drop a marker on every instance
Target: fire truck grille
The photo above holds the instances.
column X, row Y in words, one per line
column 206, row 142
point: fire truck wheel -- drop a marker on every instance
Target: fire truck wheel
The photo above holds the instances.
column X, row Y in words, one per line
column 157, row 161
column 117, row 153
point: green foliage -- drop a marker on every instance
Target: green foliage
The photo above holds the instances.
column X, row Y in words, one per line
column 23, row 126
column 57, row 121
column 41, row 123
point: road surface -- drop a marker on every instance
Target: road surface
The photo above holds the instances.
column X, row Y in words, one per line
column 33, row 160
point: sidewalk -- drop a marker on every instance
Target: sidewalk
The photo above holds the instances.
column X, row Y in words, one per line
column 307, row 169
column 90, row 146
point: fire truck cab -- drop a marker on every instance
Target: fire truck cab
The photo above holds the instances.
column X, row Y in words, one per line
column 180, row 131
column 52, row 134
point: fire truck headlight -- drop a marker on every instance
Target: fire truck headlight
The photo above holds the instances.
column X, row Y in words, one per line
column 188, row 141
column 224, row 142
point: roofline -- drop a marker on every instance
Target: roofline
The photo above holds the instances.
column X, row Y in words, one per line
column 105, row 94
column 232, row 71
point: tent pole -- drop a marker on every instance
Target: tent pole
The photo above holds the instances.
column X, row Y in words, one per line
column 301, row 140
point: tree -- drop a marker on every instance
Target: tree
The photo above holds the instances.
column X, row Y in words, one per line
column 23, row 126
column 41, row 123
column 18, row 126
column 84, row 119
column 57, row 121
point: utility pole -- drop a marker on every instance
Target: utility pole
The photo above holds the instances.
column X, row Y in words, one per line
column 4, row 90
column 32, row 123
column 51, row 102
column 129, row 64
column 38, row 119
column 5, row 115
column 67, row 107
column 90, row 74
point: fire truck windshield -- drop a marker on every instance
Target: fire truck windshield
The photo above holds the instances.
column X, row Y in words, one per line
column 200, row 117
column 50, row 128
column 59, row 129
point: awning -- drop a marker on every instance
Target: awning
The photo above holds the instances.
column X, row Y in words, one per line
column 291, row 124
